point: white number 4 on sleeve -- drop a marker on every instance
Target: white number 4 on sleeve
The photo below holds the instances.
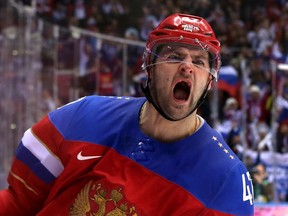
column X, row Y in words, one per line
column 247, row 188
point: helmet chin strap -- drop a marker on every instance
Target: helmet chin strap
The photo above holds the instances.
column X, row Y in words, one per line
column 146, row 91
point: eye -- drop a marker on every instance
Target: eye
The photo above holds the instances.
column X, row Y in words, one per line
column 172, row 56
column 199, row 62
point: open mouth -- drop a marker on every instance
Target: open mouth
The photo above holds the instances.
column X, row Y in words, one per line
column 182, row 91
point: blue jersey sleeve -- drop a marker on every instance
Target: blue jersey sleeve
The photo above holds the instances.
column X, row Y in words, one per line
column 236, row 194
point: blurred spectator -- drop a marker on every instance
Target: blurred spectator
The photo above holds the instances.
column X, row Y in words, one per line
column 231, row 117
column 105, row 83
column 235, row 142
column 249, row 162
column 230, row 126
column 261, row 137
column 80, row 13
column 59, row 14
column 257, row 116
column 255, row 111
column 280, row 50
column 148, row 21
column 282, row 99
column 260, row 37
column 263, row 188
column 113, row 7
column 134, row 71
column 110, row 51
column 282, row 132
column 131, row 33
column 282, row 119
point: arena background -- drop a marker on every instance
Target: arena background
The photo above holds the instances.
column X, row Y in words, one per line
column 51, row 55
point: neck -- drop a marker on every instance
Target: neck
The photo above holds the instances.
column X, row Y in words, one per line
column 156, row 126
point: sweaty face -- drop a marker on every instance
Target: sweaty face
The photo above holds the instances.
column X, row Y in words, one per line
column 179, row 77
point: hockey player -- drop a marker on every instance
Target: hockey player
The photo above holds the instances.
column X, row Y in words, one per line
column 136, row 156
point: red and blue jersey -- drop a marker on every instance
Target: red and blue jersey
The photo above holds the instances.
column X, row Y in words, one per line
column 90, row 157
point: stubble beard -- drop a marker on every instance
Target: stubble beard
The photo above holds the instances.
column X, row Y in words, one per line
column 175, row 113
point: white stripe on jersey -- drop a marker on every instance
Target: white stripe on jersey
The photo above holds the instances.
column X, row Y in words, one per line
column 49, row 161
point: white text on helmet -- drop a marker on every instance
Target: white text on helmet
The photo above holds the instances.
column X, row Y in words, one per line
column 190, row 28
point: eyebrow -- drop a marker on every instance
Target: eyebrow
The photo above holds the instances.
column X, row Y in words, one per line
column 201, row 56
column 200, row 53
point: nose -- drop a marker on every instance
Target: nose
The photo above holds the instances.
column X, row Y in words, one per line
column 186, row 67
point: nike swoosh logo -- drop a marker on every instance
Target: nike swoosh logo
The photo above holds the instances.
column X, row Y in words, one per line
column 81, row 157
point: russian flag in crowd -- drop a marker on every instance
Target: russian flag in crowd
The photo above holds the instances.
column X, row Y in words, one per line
column 228, row 80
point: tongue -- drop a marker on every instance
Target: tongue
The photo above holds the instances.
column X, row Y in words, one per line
column 180, row 94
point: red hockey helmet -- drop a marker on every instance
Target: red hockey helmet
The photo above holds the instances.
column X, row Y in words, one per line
column 185, row 30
